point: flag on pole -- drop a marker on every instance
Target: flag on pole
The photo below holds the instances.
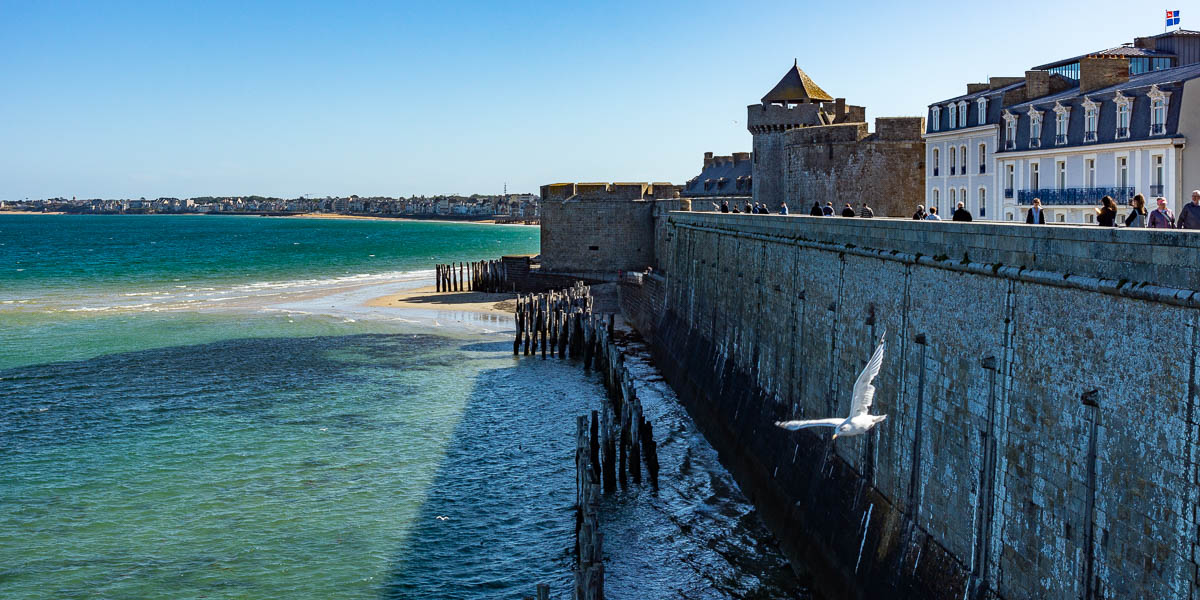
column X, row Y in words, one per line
column 1172, row 17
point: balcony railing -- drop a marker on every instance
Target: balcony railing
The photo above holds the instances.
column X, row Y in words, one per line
column 1156, row 190
column 1008, row 192
column 1089, row 136
column 982, row 169
column 1122, row 132
column 1010, row 144
column 1158, row 128
column 1060, row 139
column 1035, row 142
column 1075, row 196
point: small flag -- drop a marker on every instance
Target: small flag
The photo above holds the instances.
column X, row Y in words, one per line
column 1172, row 17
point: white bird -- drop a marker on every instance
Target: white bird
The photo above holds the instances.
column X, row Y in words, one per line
column 859, row 422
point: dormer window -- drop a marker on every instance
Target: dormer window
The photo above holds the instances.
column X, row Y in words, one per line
column 1091, row 119
column 1062, row 120
column 962, row 113
column 981, row 111
column 935, row 118
column 1158, row 110
column 1035, row 128
column 953, row 115
column 1010, row 131
column 1124, row 110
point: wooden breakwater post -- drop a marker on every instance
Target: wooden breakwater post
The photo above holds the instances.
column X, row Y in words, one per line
column 589, row 563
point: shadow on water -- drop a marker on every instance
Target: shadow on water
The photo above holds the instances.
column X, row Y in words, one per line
column 498, row 517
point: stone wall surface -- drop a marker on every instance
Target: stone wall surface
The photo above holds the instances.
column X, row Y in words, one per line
column 1040, row 386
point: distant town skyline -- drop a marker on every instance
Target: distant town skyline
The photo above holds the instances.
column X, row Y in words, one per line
column 132, row 100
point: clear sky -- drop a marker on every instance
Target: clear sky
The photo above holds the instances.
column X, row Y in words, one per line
column 112, row 99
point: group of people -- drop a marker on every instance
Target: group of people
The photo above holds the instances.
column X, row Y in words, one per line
column 750, row 209
column 960, row 214
column 1159, row 218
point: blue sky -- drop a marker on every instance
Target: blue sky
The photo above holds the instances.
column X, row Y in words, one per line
column 112, row 99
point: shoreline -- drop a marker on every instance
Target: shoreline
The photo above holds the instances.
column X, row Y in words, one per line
column 428, row 298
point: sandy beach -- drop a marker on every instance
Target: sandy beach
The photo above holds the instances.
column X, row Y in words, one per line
column 395, row 218
column 429, row 298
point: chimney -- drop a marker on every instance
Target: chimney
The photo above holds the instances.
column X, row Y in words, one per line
column 1145, row 43
column 1037, row 84
column 1096, row 73
column 839, row 110
column 740, row 157
column 708, row 159
column 977, row 87
column 996, row 83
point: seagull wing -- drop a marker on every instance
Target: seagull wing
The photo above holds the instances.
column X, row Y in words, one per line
column 864, row 392
column 794, row 425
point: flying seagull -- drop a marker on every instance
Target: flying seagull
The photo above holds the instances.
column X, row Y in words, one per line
column 859, row 422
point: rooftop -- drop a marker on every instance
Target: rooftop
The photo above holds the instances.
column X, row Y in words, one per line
column 796, row 86
column 1161, row 77
column 1125, row 51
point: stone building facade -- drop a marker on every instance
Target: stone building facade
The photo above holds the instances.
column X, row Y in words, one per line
column 810, row 147
column 602, row 228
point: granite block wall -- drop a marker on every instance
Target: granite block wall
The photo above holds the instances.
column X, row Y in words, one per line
column 1041, row 439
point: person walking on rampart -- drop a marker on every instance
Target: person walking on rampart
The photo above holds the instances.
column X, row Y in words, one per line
column 866, row 212
column 724, row 206
column 816, row 210
column 961, row 214
column 1035, row 215
column 1162, row 218
column 828, row 208
column 1189, row 215
column 749, row 209
column 1137, row 212
column 932, row 216
column 783, row 209
column 920, row 214
column 1106, row 215
column 848, row 211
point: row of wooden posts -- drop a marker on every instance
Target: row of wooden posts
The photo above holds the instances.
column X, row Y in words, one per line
column 481, row 276
column 610, row 449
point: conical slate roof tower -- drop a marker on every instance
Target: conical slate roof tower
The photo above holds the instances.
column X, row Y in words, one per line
column 796, row 87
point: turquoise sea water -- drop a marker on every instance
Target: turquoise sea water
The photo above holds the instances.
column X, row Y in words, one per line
column 200, row 407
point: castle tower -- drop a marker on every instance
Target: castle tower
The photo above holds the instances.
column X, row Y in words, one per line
column 796, row 101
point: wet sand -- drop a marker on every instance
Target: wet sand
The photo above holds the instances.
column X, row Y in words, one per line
column 429, row 298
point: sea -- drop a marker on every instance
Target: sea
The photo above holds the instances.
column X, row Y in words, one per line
column 204, row 406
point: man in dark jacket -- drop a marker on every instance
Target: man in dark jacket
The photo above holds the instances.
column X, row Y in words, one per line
column 848, row 211
column 961, row 213
column 866, row 212
column 1189, row 215
column 827, row 210
column 816, row 210
column 724, row 206
column 1035, row 214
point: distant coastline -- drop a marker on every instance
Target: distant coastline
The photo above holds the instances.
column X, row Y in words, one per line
column 481, row 219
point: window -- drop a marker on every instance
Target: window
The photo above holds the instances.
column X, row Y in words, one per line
column 1089, row 168
column 1009, row 180
column 1159, row 171
column 1062, row 119
column 1091, row 119
column 1060, row 175
column 935, row 118
column 981, row 111
column 953, row 116
column 1089, row 217
column 1061, row 218
column 962, row 113
column 1033, row 175
column 982, row 202
column 962, row 160
column 1122, row 172
column 1158, row 110
column 1123, row 112
column 982, row 159
column 953, row 162
column 1035, row 128
column 1010, row 131
column 935, row 198
column 951, row 197
column 935, row 161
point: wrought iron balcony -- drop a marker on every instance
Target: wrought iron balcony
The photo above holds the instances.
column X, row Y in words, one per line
column 1035, row 142
column 1156, row 190
column 982, row 169
column 1074, row 196
column 1158, row 128
column 1060, row 139
column 1122, row 132
column 1008, row 192
column 1089, row 136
